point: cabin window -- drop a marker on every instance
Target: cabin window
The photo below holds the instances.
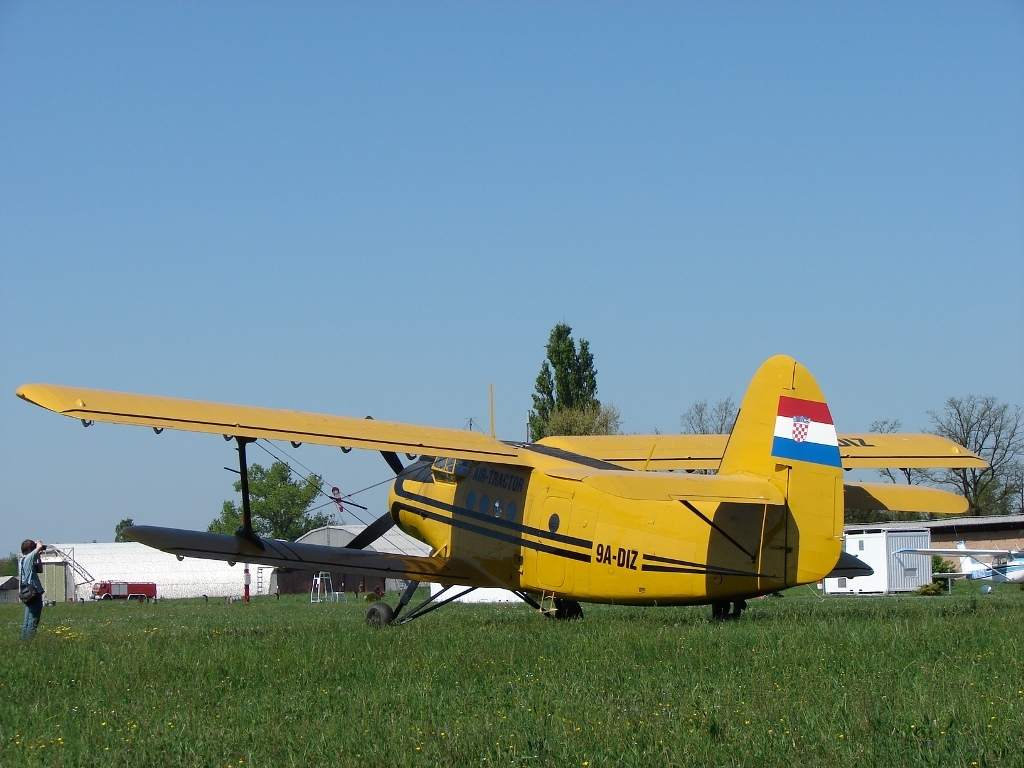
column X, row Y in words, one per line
column 449, row 470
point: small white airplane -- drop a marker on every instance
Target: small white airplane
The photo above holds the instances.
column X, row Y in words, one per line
column 1007, row 566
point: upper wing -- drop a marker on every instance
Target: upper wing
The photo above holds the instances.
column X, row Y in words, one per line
column 269, row 423
column 861, row 451
column 905, row 451
column 311, row 557
column 647, row 451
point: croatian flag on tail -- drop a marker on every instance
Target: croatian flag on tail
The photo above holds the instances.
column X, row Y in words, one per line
column 804, row 432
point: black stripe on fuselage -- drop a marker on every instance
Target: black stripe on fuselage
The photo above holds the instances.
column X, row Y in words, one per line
column 512, row 533
column 454, row 522
column 670, row 565
column 500, row 522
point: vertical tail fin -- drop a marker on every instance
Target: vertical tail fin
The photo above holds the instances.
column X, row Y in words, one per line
column 967, row 563
column 784, row 433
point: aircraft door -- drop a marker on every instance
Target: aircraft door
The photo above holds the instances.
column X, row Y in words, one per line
column 550, row 566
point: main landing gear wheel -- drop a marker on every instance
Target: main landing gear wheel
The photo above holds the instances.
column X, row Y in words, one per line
column 379, row 615
column 720, row 609
column 567, row 610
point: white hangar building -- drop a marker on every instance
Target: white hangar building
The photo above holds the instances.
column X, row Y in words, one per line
column 70, row 570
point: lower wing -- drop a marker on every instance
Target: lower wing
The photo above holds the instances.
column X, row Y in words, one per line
column 897, row 497
column 310, row 557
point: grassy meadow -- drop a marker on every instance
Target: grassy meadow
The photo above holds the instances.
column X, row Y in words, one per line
column 799, row 681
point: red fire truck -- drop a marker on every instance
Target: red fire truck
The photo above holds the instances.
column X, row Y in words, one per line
column 123, row 590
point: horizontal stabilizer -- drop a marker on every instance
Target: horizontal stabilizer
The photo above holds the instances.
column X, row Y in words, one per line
column 311, row 557
column 903, row 498
column 850, row 567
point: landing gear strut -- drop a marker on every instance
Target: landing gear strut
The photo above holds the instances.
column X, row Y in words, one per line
column 381, row 614
column 554, row 607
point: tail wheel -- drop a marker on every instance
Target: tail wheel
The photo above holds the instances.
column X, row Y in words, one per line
column 379, row 615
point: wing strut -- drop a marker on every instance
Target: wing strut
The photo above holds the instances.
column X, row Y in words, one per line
column 245, row 532
column 382, row 524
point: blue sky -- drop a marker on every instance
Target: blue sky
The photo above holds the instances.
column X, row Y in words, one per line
column 384, row 208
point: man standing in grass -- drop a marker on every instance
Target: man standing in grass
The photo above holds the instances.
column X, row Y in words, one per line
column 34, row 605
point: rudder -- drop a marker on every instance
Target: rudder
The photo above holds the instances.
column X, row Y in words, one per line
column 784, row 432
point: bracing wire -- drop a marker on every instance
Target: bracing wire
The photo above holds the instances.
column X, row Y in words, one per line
column 349, row 509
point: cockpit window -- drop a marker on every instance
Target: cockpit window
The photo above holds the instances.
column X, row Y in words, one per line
column 449, row 470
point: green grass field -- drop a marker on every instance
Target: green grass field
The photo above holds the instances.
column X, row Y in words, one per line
column 799, row 681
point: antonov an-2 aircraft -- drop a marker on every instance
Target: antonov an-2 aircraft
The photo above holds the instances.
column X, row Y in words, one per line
column 569, row 520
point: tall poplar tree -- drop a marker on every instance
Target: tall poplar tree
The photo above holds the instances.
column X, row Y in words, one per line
column 567, row 384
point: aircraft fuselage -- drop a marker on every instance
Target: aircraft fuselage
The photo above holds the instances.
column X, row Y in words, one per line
column 532, row 530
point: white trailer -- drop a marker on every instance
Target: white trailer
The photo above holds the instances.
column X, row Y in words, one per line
column 893, row 572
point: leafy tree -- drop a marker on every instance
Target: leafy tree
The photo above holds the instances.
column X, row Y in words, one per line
column 869, row 516
column 280, row 505
column 126, row 523
column 9, row 565
column 594, row 419
column 994, row 431
column 543, row 402
column 230, row 519
column 568, row 382
column 1015, row 488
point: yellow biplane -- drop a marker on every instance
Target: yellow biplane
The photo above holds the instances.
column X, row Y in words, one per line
column 576, row 519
